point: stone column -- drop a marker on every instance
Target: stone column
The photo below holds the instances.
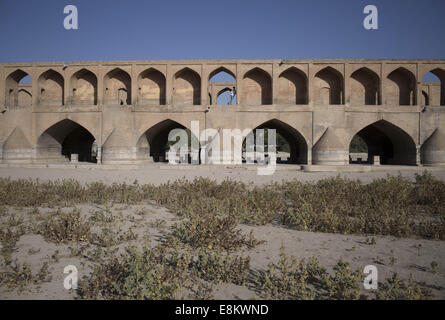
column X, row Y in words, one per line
column 99, row 155
column 239, row 84
column 418, row 155
column 204, row 86
column 134, row 85
column 169, row 85
column 275, row 73
column 347, row 84
column 66, row 86
column 2, row 87
column 100, row 85
column 35, row 86
column 310, row 89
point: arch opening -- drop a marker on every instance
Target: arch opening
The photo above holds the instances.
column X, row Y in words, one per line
column 403, row 89
column 18, row 89
column 187, row 88
column 226, row 96
column 329, row 87
column 83, row 87
column 157, row 140
column 222, row 87
column 292, row 87
column 433, row 83
column 257, row 88
column 151, row 87
column 117, row 87
column 426, row 99
column 291, row 146
column 66, row 141
column 51, row 88
column 365, row 87
column 393, row 145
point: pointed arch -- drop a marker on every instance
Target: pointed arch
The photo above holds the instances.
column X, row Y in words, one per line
column 292, row 147
column 64, row 138
column 151, row 87
column 329, row 86
column 83, row 87
column 223, row 94
column 439, row 73
column 117, row 87
column 402, row 90
column 390, row 142
column 51, row 88
column 257, row 87
column 155, row 139
column 365, row 87
column 292, row 87
column 221, row 69
column 13, row 89
column 186, row 87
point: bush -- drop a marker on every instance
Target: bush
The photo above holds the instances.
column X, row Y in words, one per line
column 65, row 227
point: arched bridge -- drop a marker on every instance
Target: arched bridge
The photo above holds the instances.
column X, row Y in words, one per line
column 327, row 111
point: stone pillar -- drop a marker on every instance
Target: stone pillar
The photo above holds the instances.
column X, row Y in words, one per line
column 310, row 89
column 309, row 155
column 239, row 84
column 134, row 85
column 66, row 87
column 2, row 87
column 347, row 84
column 204, row 86
column 418, row 155
column 383, row 83
column 169, row 85
column 100, row 86
column 275, row 73
column 35, row 86
column 99, row 155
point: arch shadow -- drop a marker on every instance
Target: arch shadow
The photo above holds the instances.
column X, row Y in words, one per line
column 391, row 143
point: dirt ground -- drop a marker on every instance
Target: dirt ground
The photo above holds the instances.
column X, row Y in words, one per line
column 157, row 175
column 388, row 254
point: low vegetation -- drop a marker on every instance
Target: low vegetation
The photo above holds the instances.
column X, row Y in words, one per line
column 203, row 248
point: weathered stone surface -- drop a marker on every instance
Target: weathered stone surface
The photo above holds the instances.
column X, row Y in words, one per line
column 125, row 109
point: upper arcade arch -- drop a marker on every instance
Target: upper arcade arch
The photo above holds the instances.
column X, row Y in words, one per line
column 83, row 87
column 151, row 87
column 402, row 88
column 51, row 88
column 17, row 93
column 186, row 87
column 292, row 87
column 437, row 98
column 257, row 87
column 117, row 87
column 365, row 87
column 328, row 87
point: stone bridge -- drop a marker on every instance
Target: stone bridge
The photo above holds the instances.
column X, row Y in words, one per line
column 115, row 112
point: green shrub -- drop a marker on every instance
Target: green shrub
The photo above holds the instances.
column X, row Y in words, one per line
column 65, row 227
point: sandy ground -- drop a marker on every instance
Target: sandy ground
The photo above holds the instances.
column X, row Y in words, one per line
column 388, row 254
column 156, row 175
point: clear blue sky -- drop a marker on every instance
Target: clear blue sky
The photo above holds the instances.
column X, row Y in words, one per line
column 32, row 30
